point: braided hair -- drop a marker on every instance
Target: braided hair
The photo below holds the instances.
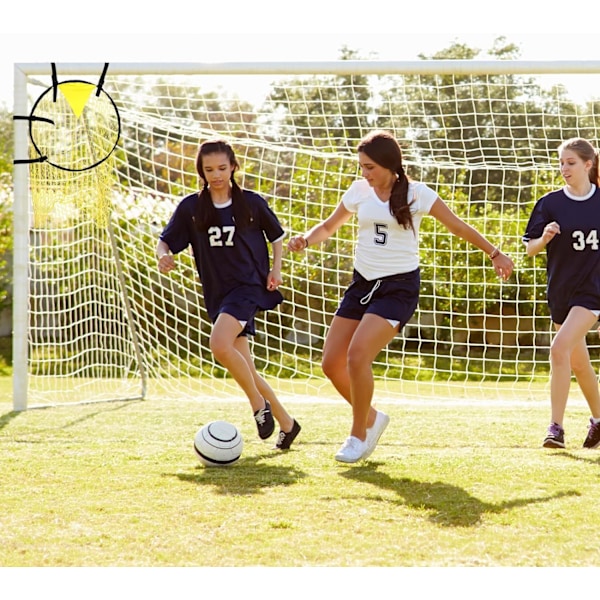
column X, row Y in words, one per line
column 382, row 148
column 206, row 213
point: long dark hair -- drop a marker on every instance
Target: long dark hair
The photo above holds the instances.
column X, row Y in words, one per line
column 585, row 151
column 382, row 148
column 206, row 214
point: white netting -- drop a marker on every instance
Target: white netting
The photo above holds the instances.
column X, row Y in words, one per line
column 105, row 323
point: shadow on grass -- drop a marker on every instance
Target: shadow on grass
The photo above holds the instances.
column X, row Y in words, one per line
column 593, row 459
column 250, row 475
column 449, row 505
column 6, row 418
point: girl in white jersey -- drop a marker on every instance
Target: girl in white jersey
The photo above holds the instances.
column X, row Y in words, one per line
column 384, row 291
column 566, row 223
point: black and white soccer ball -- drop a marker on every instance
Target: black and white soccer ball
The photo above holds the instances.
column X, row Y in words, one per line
column 218, row 444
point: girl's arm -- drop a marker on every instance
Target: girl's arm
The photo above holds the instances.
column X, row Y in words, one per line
column 537, row 245
column 503, row 265
column 324, row 230
column 166, row 262
column 274, row 279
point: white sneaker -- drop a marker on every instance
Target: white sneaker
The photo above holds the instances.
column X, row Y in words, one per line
column 375, row 431
column 352, row 450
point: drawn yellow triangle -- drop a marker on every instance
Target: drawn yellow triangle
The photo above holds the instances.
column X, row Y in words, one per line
column 77, row 94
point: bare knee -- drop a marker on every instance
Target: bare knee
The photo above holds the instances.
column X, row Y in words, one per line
column 356, row 359
column 580, row 367
column 559, row 355
column 332, row 365
column 220, row 348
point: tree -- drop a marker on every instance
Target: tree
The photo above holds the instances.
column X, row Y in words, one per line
column 6, row 197
column 6, row 141
column 322, row 111
column 470, row 121
column 162, row 159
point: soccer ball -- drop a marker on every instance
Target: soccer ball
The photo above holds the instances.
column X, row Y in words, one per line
column 218, row 444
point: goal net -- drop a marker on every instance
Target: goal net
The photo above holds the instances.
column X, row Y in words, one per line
column 94, row 320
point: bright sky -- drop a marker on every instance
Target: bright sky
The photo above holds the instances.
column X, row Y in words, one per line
column 277, row 30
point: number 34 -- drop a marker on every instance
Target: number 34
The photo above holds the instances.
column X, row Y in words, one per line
column 580, row 240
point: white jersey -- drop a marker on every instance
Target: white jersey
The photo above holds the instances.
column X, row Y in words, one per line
column 384, row 247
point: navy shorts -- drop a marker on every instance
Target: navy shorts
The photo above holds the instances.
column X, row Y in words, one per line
column 394, row 298
column 243, row 303
column 559, row 310
column 242, row 311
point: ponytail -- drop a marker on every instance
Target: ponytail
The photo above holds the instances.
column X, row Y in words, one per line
column 399, row 205
column 382, row 148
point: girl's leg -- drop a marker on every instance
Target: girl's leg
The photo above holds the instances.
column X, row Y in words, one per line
column 371, row 336
column 225, row 349
column 586, row 376
column 286, row 422
column 335, row 358
column 567, row 348
column 335, row 354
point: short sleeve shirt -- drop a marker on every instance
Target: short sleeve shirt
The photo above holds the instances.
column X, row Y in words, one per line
column 384, row 247
column 227, row 257
column 573, row 256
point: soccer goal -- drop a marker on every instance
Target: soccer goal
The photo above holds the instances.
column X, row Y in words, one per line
column 93, row 318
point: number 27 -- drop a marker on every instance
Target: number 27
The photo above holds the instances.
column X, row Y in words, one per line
column 218, row 236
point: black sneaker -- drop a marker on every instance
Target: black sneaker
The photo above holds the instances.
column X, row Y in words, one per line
column 264, row 421
column 284, row 440
column 555, row 437
column 593, row 437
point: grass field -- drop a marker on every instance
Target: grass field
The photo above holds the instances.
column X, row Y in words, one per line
column 450, row 484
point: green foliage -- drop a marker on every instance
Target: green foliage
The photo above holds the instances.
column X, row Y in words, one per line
column 6, row 141
column 6, row 241
column 311, row 120
column 164, row 158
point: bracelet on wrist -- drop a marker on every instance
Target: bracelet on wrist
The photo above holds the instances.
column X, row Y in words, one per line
column 494, row 253
column 305, row 242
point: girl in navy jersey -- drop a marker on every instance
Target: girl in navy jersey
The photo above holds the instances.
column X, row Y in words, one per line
column 228, row 229
column 384, row 291
column 566, row 223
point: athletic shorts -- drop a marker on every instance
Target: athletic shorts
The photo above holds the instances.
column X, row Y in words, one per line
column 244, row 312
column 244, row 303
column 559, row 315
column 559, row 308
column 393, row 298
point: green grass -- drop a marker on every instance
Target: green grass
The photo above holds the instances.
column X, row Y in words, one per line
column 118, row 484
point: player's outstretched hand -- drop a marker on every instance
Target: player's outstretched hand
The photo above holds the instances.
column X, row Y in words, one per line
column 274, row 280
column 297, row 243
column 550, row 231
column 166, row 263
column 503, row 265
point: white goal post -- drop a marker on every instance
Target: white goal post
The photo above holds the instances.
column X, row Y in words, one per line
column 93, row 320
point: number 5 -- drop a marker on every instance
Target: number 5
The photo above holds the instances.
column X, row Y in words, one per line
column 380, row 234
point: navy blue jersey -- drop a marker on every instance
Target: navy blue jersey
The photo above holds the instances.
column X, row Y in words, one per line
column 231, row 261
column 573, row 256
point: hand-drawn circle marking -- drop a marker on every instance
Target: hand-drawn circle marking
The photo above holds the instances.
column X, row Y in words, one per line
column 50, row 147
